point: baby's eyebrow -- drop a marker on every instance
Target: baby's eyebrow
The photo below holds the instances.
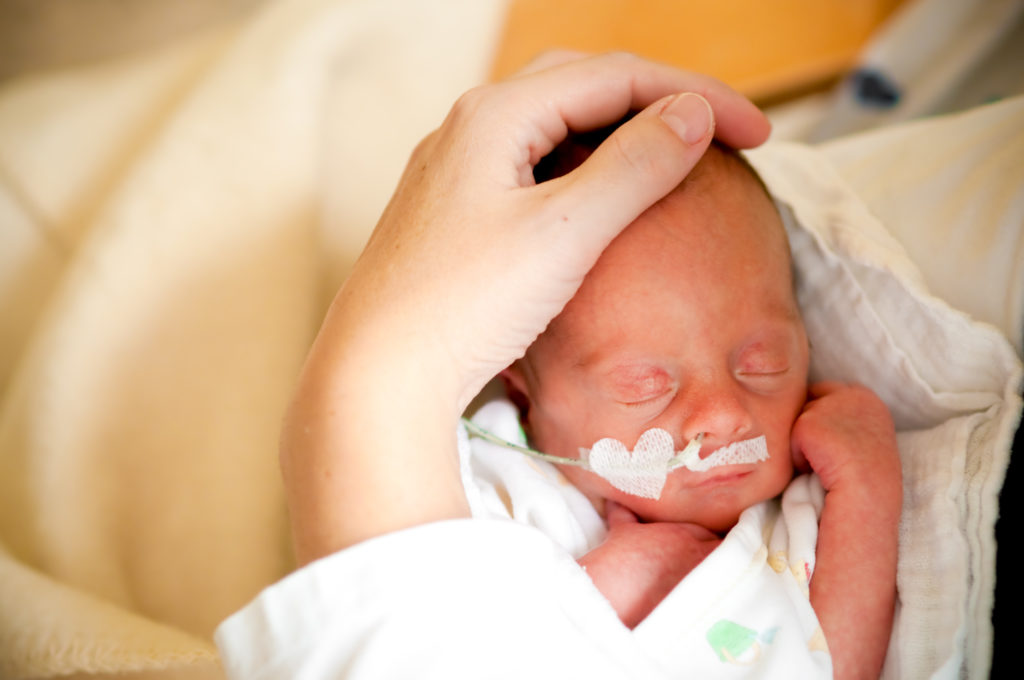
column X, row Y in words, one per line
column 786, row 310
column 599, row 357
column 633, row 371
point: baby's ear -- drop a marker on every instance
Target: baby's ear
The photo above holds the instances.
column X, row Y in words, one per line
column 517, row 389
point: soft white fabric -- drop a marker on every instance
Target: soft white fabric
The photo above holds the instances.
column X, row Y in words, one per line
column 531, row 491
column 519, row 606
column 760, row 573
column 496, row 599
column 950, row 382
column 949, row 190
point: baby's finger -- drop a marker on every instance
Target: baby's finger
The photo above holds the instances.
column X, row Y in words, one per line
column 824, row 388
column 798, row 439
column 800, row 462
column 617, row 515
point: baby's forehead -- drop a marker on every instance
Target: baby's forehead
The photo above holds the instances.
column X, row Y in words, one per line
column 717, row 230
column 720, row 212
column 719, row 242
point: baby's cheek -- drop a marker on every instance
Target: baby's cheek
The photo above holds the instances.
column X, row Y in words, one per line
column 785, row 467
column 548, row 433
column 589, row 484
column 780, row 470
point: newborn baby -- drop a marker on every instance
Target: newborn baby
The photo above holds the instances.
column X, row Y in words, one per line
column 689, row 323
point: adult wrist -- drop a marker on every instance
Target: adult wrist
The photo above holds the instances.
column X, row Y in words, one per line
column 369, row 445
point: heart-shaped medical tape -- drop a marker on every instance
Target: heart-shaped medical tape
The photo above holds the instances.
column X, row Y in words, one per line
column 640, row 472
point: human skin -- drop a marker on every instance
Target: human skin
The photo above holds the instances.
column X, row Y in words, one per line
column 688, row 323
column 846, row 435
column 469, row 262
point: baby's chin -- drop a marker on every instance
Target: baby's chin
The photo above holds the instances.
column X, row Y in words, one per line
column 718, row 520
column 716, row 506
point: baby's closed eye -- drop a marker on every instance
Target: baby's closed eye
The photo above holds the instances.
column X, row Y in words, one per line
column 639, row 385
column 764, row 368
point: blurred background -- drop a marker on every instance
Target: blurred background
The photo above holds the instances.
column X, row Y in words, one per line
column 184, row 185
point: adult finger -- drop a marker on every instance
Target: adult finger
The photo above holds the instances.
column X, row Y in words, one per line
column 638, row 164
column 597, row 91
column 550, row 58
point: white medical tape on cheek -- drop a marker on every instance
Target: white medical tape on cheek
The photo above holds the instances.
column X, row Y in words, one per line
column 640, row 472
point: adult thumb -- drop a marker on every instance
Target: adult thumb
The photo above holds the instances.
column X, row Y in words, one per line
column 639, row 163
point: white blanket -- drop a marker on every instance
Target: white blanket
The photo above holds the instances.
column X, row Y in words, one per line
column 501, row 598
column 759, row 575
column 952, row 384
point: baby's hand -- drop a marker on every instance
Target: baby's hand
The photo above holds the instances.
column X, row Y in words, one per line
column 639, row 564
column 846, row 435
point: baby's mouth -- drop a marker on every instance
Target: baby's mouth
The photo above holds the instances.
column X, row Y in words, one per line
column 717, row 477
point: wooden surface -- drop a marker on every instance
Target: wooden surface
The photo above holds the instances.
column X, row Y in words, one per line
column 767, row 50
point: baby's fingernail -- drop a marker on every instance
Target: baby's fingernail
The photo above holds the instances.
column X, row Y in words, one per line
column 690, row 116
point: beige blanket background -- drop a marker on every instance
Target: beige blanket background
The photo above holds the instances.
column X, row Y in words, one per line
column 172, row 223
column 169, row 232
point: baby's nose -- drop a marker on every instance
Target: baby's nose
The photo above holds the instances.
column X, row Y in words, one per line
column 720, row 413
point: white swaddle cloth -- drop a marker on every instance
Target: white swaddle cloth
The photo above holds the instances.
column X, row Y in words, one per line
column 745, row 610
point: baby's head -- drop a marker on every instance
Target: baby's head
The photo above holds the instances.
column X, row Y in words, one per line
column 688, row 323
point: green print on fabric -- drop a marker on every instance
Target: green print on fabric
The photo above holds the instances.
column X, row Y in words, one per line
column 738, row 644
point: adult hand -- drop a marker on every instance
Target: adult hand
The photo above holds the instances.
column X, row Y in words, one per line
column 468, row 264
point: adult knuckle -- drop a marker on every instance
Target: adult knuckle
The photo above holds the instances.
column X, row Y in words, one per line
column 425, row 145
column 638, row 157
column 622, row 57
column 554, row 56
column 472, row 103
